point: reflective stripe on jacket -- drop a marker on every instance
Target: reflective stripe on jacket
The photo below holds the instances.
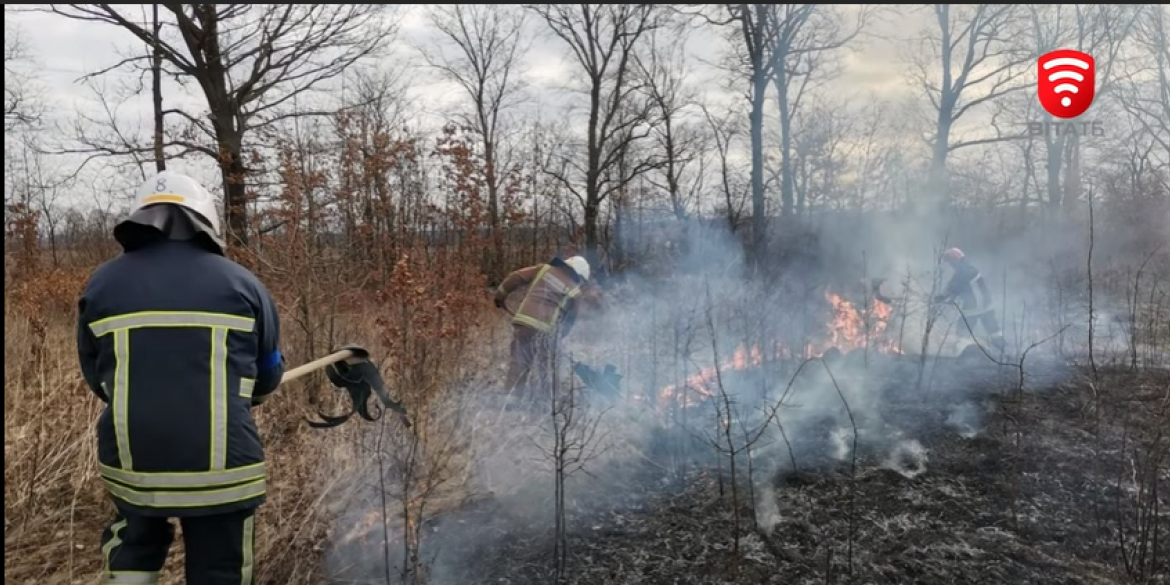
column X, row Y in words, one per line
column 180, row 343
column 549, row 301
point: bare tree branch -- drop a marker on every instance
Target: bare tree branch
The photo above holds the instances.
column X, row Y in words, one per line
column 603, row 39
column 251, row 62
column 969, row 59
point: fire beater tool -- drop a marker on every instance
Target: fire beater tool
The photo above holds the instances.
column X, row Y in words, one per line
column 605, row 381
column 349, row 368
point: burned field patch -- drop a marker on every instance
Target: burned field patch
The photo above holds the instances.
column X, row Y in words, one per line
column 1050, row 490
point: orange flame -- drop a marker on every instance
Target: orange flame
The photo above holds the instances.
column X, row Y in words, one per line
column 846, row 331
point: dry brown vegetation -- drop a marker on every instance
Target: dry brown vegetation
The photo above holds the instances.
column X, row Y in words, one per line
column 421, row 307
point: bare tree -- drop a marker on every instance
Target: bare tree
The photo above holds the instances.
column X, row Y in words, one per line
column 680, row 140
column 1149, row 99
column 801, row 34
column 751, row 56
column 20, row 106
column 872, row 147
column 817, row 160
column 603, row 39
column 969, row 60
column 488, row 43
column 252, row 62
column 724, row 133
column 105, row 132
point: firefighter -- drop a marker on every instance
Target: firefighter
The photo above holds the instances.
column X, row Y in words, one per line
column 180, row 343
column 544, row 317
column 970, row 291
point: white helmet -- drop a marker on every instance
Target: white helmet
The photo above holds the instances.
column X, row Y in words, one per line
column 580, row 266
column 179, row 189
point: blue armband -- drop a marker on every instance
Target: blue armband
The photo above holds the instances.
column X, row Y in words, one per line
column 270, row 361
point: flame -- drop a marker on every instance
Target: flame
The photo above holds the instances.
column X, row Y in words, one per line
column 846, row 330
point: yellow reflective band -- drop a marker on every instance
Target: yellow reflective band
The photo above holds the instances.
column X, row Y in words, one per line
column 247, row 545
column 219, row 398
column 183, row 479
column 108, row 547
column 532, row 322
column 219, row 323
column 171, row 319
column 120, row 399
column 556, row 285
column 191, row 499
column 246, row 387
column 521, row 316
column 163, row 198
column 138, row 577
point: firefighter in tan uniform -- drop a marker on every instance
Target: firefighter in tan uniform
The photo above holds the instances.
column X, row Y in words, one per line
column 544, row 317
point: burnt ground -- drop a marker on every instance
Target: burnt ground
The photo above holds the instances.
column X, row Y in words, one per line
column 1047, row 493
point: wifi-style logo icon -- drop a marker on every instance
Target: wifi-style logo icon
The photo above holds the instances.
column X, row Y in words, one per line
column 1067, row 82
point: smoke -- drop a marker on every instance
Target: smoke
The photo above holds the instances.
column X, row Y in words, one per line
column 720, row 360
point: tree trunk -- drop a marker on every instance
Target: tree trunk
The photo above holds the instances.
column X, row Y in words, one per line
column 1054, row 151
column 235, row 201
column 938, row 185
column 1072, row 172
column 495, row 261
column 592, row 237
column 759, row 217
column 786, row 183
column 160, row 161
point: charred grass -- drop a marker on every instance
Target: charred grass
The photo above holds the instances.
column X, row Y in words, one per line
column 1051, row 491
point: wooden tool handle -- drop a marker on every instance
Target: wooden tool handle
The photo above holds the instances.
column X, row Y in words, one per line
column 315, row 365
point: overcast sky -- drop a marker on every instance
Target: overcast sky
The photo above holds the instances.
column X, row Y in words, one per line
column 873, row 68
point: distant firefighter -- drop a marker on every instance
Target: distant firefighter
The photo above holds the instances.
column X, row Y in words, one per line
column 545, row 315
column 970, row 291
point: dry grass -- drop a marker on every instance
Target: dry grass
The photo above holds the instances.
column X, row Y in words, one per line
column 54, row 505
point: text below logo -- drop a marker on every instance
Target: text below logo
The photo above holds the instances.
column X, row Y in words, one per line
column 1067, row 82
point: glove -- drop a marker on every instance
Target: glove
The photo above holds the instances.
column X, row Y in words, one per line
column 498, row 302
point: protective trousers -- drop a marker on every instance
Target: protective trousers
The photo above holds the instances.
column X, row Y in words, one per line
column 531, row 359
column 987, row 319
column 991, row 326
column 219, row 548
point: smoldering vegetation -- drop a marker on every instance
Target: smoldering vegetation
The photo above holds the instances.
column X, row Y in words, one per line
column 787, row 428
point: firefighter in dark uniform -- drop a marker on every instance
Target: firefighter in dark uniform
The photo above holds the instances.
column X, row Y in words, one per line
column 970, row 291
column 180, row 343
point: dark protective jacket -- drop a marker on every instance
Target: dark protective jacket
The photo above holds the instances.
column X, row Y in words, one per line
column 179, row 342
column 969, row 288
